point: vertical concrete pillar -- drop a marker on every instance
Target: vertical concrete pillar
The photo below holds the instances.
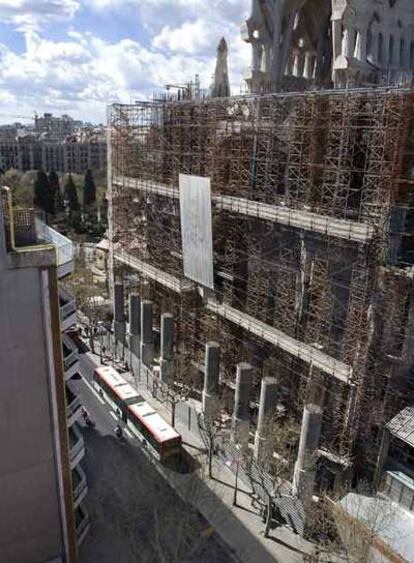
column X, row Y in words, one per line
column 336, row 38
column 305, row 467
column 268, row 398
column 361, row 46
column 119, row 319
column 382, row 457
column 241, row 414
column 135, row 331
column 167, row 348
column 309, row 67
column 147, row 337
column 211, row 378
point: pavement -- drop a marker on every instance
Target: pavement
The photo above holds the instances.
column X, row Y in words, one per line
column 239, row 527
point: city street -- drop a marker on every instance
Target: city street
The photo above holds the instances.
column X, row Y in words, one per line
column 136, row 516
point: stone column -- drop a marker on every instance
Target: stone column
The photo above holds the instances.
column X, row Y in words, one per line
column 268, row 398
column 299, row 63
column 336, row 38
column 241, row 414
column 305, row 467
column 211, row 378
column 348, row 42
column 135, row 331
column 361, row 46
column 382, row 457
column 309, row 65
column 167, row 348
column 119, row 319
column 147, row 336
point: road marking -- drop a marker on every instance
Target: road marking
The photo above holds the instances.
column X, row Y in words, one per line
column 93, row 390
column 128, row 433
column 113, row 415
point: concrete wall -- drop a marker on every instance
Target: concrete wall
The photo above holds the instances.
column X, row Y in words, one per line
column 30, row 513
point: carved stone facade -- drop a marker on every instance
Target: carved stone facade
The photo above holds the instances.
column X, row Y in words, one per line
column 345, row 42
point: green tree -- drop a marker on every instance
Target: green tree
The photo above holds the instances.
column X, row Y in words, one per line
column 71, row 195
column 43, row 197
column 55, row 192
column 89, row 189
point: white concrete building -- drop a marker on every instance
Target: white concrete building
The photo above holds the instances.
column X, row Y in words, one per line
column 42, row 486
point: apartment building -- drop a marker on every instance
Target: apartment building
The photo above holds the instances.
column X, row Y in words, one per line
column 71, row 156
column 42, row 484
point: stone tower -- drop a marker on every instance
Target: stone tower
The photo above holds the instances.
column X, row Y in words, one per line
column 221, row 85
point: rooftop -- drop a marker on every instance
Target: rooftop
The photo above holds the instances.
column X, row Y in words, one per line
column 402, row 426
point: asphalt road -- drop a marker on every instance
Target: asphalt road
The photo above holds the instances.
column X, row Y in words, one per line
column 136, row 516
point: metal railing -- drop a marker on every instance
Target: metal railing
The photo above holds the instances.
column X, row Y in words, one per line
column 64, row 246
column 69, row 306
column 81, row 483
column 70, row 360
column 82, row 522
column 76, row 443
column 74, row 404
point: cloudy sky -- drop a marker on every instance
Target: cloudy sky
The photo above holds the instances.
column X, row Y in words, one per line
column 77, row 56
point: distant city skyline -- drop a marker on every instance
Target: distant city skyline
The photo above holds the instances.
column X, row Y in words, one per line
column 77, row 56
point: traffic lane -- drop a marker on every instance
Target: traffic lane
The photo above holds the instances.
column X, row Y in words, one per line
column 118, row 472
column 87, row 365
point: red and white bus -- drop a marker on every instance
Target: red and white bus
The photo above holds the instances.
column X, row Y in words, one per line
column 161, row 438
column 144, row 422
column 116, row 391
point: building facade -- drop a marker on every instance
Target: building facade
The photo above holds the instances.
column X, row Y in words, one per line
column 279, row 227
column 42, row 517
column 341, row 43
column 30, row 153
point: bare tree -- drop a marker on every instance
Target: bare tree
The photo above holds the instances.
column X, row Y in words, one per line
column 212, row 427
column 90, row 298
column 181, row 387
column 270, row 473
column 350, row 529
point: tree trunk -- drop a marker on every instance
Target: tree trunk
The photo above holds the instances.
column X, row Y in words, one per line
column 269, row 516
column 173, row 414
column 91, row 341
column 210, row 458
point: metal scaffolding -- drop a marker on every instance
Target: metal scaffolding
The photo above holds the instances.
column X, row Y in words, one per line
column 304, row 188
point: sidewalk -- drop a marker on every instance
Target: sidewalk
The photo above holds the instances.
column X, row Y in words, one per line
column 240, row 527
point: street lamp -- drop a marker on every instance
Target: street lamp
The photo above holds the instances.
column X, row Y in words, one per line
column 238, row 448
column 100, row 328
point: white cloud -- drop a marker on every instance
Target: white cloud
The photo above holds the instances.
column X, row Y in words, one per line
column 82, row 74
column 32, row 14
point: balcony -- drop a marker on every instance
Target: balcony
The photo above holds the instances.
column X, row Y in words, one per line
column 79, row 486
column 27, row 227
column 73, row 405
column 82, row 523
column 67, row 309
column 64, row 248
column 70, row 357
column 76, row 446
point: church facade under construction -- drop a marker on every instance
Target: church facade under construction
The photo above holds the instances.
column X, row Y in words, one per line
column 274, row 232
column 280, row 227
